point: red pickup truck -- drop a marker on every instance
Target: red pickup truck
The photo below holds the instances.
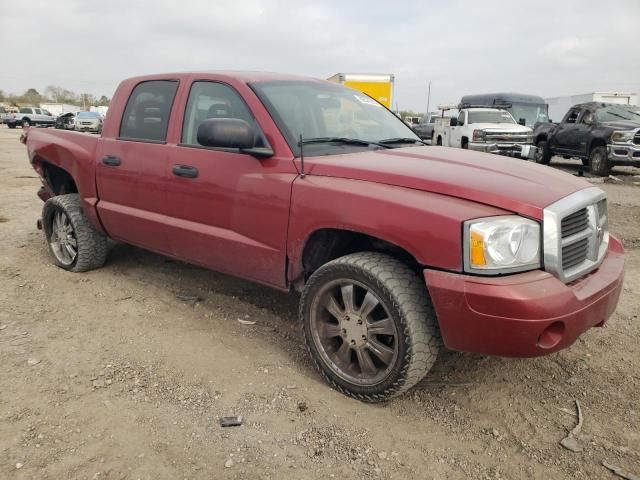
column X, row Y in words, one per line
column 306, row 185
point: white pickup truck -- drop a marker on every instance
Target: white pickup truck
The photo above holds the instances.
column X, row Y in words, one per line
column 28, row 116
column 491, row 130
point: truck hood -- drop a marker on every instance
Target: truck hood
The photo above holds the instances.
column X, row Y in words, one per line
column 511, row 184
column 622, row 124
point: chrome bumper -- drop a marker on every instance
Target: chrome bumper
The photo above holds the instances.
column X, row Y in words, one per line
column 517, row 150
column 623, row 152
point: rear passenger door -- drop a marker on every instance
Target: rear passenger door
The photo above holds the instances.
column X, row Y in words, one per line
column 131, row 172
column 564, row 137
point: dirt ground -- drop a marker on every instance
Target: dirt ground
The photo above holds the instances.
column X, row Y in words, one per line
column 123, row 373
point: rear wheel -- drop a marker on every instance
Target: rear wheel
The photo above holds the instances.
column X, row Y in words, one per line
column 543, row 155
column 439, row 140
column 369, row 325
column 74, row 243
column 11, row 125
column 598, row 161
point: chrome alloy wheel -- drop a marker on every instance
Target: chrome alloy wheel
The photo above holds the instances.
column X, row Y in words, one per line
column 63, row 241
column 354, row 332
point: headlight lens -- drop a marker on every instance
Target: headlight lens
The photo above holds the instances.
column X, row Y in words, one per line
column 622, row 136
column 501, row 244
column 478, row 135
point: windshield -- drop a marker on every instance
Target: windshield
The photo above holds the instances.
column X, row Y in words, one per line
column 319, row 110
column 88, row 115
column 618, row 112
column 531, row 113
column 490, row 116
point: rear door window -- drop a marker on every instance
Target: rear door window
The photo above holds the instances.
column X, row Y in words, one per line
column 146, row 116
column 572, row 116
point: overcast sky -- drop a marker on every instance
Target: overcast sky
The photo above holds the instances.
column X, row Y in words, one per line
column 548, row 48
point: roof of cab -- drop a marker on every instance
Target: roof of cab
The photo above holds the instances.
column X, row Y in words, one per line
column 243, row 76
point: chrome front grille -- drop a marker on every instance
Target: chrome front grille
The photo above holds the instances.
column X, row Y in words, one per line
column 507, row 137
column 574, row 223
column 576, row 235
column 574, row 254
column 636, row 138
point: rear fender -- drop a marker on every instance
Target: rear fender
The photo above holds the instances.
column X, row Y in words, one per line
column 75, row 154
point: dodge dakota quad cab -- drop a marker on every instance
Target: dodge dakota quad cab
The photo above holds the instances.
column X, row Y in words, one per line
column 602, row 135
column 306, row 185
column 491, row 130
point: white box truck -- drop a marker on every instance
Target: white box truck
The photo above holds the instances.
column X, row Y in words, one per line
column 559, row 106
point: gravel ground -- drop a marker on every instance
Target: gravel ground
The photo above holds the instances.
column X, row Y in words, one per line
column 123, row 373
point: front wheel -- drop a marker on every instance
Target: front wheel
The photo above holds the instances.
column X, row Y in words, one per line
column 543, row 155
column 369, row 325
column 598, row 161
column 74, row 243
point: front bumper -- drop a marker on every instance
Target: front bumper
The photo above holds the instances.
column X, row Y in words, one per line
column 517, row 150
column 87, row 128
column 628, row 153
column 527, row 314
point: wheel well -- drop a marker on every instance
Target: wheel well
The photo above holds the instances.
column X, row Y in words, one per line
column 328, row 244
column 59, row 180
column 464, row 140
column 598, row 142
column 541, row 137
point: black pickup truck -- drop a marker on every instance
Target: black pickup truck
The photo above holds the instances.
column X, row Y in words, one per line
column 602, row 135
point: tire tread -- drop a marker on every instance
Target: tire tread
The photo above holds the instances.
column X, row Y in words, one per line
column 410, row 297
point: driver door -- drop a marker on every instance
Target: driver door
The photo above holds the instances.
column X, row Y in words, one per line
column 227, row 210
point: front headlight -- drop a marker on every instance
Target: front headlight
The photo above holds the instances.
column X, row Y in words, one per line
column 478, row 135
column 623, row 136
column 501, row 245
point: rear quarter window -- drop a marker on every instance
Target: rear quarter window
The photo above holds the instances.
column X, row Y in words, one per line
column 146, row 115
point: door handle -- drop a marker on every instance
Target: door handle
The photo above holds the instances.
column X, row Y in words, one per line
column 185, row 171
column 111, row 161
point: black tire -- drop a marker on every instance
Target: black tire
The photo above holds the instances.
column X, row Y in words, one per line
column 598, row 161
column 11, row 125
column 91, row 246
column 439, row 140
column 25, row 122
column 403, row 297
column 543, row 155
column 465, row 143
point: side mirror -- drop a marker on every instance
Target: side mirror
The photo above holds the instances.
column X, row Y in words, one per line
column 522, row 122
column 453, row 122
column 231, row 133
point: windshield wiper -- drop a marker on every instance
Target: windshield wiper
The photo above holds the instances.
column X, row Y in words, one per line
column 387, row 141
column 348, row 141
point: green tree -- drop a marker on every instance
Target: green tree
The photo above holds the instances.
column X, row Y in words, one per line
column 32, row 97
column 1, row 96
column 59, row 94
column 103, row 102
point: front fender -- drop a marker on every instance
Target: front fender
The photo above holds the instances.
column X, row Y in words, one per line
column 425, row 224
